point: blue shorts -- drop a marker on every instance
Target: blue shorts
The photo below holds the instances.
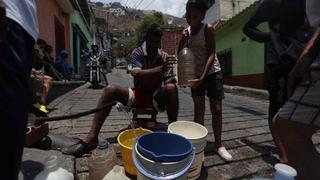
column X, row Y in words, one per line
column 212, row 85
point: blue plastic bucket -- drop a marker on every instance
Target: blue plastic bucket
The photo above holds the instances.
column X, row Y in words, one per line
column 148, row 169
column 164, row 147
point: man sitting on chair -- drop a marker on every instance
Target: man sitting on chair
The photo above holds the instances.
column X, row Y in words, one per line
column 153, row 87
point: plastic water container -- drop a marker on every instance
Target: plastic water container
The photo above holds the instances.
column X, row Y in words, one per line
column 53, row 172
column 164, row 147
column 148, row 169
column 117, row 173
column 284, row 172
column 186, row 66
column 126, row 139
column 197, row 134
column 102, row 160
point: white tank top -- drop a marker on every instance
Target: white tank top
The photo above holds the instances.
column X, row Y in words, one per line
column 24, row 12
column 197, row 43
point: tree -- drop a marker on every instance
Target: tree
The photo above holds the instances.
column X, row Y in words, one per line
column 132, row 42
column 146, row 22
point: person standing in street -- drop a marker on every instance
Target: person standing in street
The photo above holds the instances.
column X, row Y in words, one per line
column 299, row 119
column 18, row 33
column 286, row 20
column 199, row 37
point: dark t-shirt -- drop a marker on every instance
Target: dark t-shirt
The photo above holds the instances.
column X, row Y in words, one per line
column 286, row 19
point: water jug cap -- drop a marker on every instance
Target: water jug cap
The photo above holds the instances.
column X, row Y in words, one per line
column 285, row 170
column 116, row 169
column 103, row 145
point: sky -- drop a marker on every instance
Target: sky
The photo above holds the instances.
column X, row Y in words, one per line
column 172, row 7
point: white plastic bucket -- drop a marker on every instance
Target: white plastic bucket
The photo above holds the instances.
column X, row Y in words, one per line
column 197, row 134
column 148, row 169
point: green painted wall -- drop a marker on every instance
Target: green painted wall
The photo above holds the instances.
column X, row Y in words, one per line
column 76, row 18
column 247, row 55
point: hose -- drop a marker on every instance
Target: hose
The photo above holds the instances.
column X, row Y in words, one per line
column 73, row 116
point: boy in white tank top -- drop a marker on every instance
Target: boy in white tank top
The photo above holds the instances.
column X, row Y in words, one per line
column 200, row 39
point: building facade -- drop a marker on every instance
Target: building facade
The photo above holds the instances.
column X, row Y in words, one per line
column 65, row 24
column 242, row 59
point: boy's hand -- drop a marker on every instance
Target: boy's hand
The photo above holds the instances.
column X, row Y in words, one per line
column 3, row 21
column 185, row 33
column 185, row 36
column 195, row 82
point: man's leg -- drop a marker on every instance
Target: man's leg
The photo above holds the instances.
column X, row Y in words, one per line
column 170, row 93
column 274, row 106
column 16, row 55
column 111, row 93
column 299, row 148
column 47, row 82
column 276, row 83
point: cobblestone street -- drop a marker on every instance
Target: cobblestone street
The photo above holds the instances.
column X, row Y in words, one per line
column 245, row 130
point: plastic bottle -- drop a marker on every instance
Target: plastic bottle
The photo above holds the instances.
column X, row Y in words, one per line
column 284, row 172
column 31, row 119
column 53, row 172
column 186, row 66
column 117, row 173
column 102, row 160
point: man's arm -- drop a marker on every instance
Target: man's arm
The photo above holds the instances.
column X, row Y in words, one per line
column 265, row 12
column 302, row 67
column 183, row 40
column 3, row 21
column 136, row 59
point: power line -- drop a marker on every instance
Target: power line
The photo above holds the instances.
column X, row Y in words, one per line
column 149, row 4
column 129, row 2
column 139, row 4
column 125, row 3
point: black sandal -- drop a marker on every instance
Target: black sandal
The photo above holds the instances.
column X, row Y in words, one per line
column 79, row 148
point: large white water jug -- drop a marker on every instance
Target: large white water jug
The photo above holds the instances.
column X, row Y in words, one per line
column 117, row 173
column 186, row 66
column 101, row 161
column 53, row 172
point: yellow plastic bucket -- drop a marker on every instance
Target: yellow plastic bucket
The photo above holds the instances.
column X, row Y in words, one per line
column 126, row 140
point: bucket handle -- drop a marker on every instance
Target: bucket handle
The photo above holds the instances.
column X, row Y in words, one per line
column 151, row 175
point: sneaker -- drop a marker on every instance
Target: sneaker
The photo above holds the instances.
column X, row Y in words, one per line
column 224, row 154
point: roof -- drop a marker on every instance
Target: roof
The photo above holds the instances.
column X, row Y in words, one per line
column 240, row 14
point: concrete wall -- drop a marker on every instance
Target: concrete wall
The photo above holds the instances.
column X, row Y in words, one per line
column 230, row 8
column 226, row 9
column 212, row 13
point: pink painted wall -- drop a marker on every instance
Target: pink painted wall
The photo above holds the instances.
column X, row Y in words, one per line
column 47, row 10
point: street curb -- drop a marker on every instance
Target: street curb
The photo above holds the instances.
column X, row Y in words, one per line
column 244, row 91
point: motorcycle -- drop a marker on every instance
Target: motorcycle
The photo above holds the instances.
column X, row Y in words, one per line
column 97, row 77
